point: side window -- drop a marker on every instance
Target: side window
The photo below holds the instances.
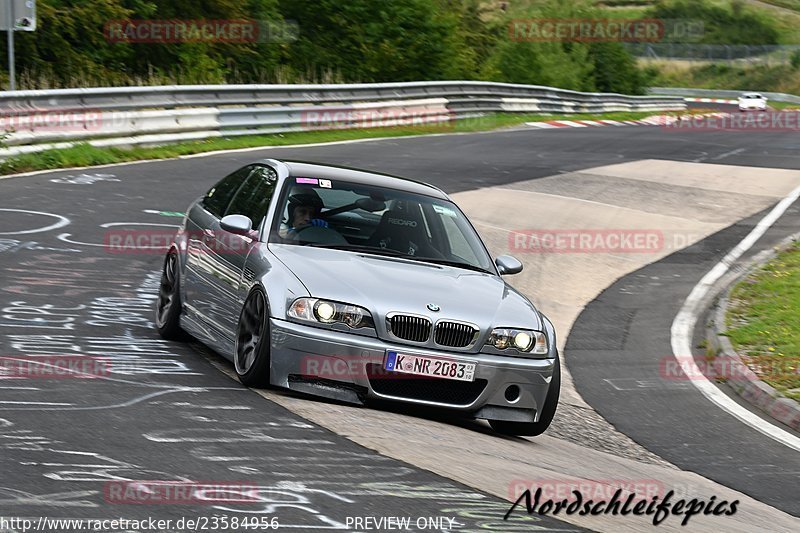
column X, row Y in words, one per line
column 253, row 198
column 218, row 198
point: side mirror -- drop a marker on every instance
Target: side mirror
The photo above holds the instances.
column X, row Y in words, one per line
column 508, row 265
column 238, row 224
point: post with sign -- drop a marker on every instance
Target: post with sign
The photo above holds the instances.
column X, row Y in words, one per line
column 16, row 15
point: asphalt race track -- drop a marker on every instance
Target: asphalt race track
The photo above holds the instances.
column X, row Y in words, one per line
column 170, row 411
column 619, row 375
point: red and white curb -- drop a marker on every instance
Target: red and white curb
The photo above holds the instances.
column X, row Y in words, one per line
column 655, row 120
column 712, row 100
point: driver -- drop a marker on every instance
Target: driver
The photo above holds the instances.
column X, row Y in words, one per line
column 304, row 211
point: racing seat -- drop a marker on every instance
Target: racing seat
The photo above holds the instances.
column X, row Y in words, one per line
column 403, row 231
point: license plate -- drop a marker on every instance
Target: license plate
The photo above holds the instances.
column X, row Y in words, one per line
column 435, row 367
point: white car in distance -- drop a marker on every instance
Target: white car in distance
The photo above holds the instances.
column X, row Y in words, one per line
column 755, row 101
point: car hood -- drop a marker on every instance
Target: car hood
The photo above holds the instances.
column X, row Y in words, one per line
column 384, row 284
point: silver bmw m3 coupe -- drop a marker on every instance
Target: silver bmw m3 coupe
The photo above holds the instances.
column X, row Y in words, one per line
column 355, row 285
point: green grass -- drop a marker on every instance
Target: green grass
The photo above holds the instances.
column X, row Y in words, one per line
column 763, row 322
column 773, row 78
column 782, row 105
column 787, row 24
column 83, row 155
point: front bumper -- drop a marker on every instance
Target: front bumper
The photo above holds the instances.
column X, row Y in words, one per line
column 349, row 367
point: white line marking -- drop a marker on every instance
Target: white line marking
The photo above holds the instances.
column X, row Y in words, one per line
column 66, row 238
column 34, row 403
column 112, row 224
column 685, row 320
column 727, row 154
column 63, row 221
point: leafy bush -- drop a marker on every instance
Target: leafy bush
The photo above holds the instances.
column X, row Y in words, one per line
column 795, row 59
column 353, row 40
column 615, row 70
column 737, row 25
column 600, row 66
column 397, row 40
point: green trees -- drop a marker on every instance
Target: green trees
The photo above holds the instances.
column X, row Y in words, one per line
column 737, row 25
column 615, row 70
column 71, row 48
column 364, row 40
column 338, row 41
column 582, row 66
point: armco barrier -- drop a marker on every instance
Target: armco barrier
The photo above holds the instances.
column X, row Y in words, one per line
column 38, row 120
column 722, row 93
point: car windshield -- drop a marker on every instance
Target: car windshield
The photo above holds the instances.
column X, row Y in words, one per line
column 370, row 219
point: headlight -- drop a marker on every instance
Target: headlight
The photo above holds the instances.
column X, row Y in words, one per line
column 327, row 312
column 522, row 339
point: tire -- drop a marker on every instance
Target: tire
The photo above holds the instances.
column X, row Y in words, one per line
column 532, row 429
column 168, row 305
column 251, row 355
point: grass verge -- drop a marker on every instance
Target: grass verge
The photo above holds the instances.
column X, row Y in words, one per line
column 84, row 154
column 774, row 78
column 782, row 105
column 763, row 322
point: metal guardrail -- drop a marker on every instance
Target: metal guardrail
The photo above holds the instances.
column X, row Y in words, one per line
column 42, row 119
column 714, row 93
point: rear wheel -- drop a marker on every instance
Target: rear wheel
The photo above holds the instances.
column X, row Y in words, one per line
column 168, row 305
column 252, row 355
column 532, row 429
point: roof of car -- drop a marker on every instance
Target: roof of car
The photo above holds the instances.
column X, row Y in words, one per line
column 752, row 94
column 354, row 175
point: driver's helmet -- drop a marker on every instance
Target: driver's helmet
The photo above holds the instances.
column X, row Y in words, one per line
column 304, row 197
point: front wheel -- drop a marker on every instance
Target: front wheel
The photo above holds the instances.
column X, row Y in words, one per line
column 252, row 352
column 168, row 305
column 532, row 429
